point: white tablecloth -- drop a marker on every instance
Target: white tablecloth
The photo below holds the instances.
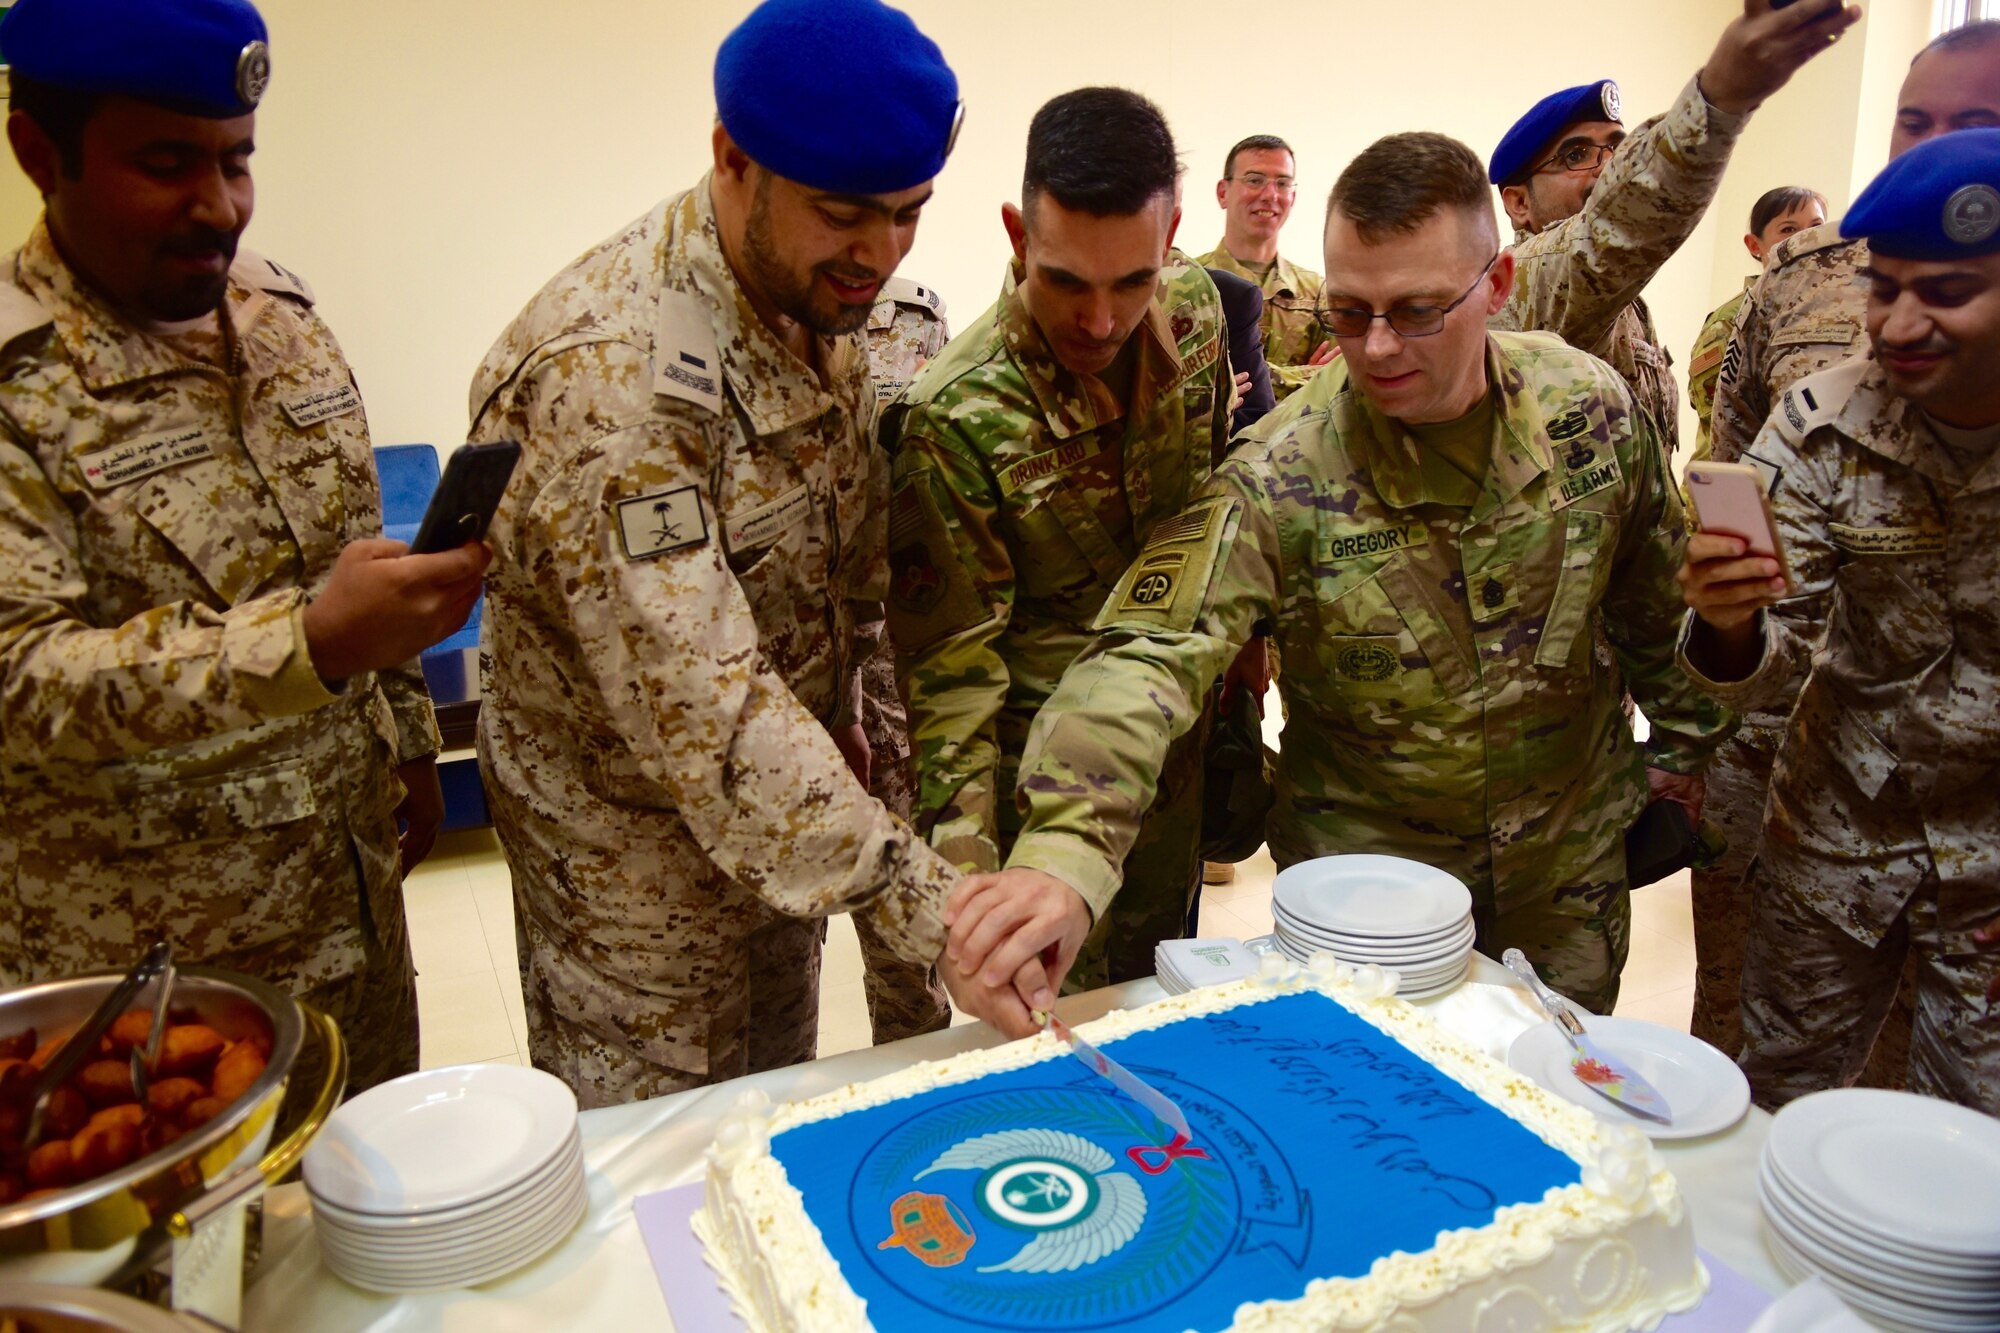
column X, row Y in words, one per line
column 602, row 1277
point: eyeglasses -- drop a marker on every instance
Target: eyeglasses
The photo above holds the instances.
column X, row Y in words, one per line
column 1580, row 157
column 1409, row 321
column 1255, row 181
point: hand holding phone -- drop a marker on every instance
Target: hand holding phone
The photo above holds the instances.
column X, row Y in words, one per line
column 1729, row 500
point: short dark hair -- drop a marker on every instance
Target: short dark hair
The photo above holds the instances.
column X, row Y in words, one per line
column 61, row 112
column 1103, row 151
column 1400, row 181
column 1965, row 37
column 1774, row 204
column 1257, row 143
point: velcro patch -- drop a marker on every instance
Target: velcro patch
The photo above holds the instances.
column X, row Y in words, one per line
column 316, row 405
column 1887, row 541
column 1201, row 358
column 1569, row 425
column 766, row 523
column 930, row 593
column 1577, row 485
column 129, row 460
column 1047, row 463
column 1374, row 541
column 1365, row 659
column 664, row 521
column 1167, row 585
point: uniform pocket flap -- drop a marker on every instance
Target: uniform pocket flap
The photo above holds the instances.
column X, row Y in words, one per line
column 158, row 813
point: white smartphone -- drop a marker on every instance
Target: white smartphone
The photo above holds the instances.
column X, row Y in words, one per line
column 1729, row 499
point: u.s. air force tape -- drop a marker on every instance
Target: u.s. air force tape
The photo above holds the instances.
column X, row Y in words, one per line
column 1168, row 584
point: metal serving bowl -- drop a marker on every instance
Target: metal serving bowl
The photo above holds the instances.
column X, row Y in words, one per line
column 47, row 1309
column 88, row 1232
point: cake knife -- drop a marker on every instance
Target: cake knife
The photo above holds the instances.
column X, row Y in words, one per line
column 1128, row 1082
column 1601, row 1072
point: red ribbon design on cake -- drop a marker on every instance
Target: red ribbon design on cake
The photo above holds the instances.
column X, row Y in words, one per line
column 1169, row 1153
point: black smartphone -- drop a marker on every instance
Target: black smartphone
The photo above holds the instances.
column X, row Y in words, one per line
column 469, row 492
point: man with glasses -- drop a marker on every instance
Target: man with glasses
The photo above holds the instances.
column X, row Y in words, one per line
column 1432, row 525
column 1258, row 188
column 1597, row 212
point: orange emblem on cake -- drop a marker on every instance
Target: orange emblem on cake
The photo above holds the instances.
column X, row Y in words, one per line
column 930, row 1227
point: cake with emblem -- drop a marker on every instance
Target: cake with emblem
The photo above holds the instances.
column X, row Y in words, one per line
column 1349, row 1165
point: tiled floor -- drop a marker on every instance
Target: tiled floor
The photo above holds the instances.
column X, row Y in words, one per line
column 469, row 989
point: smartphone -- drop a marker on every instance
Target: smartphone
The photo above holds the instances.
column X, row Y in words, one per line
column 462, row 506
column 1729, row 498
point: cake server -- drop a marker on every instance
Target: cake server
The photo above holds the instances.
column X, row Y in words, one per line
column 1595, row 1068
column 1127, row 1082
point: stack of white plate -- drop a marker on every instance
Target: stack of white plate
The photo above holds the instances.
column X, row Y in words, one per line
column 1401, row 915
column 1894, row 1200
column 446, row 1178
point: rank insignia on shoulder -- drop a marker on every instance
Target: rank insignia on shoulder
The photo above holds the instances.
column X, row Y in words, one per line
column 664, row 521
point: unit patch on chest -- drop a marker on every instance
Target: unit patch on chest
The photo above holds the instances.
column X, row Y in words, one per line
column 129, row 460
column 664, row 521
column 316, row 405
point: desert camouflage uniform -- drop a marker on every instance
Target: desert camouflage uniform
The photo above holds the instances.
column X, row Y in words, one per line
column 1581, row 278
column 905, row 329
column 174, row 766
column 1290, row 333
column 670, row 633
column 1443, row 700
column 1881, row 838
column 1023, row 490
column 1705, row 364
column 1803, row 316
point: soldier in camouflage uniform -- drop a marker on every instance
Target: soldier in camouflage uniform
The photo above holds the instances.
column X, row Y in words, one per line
column 671, row 674
column 1432, row 604
column 213, row 715
column 1880, row 841
column 1591, row 233
column 905, row 329
column 1033, row 457
column 1804, row 316
column 1258, row 187
column 1777, row 216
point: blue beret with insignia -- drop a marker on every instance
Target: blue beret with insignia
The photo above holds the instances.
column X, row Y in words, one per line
column 839, row 95
column 1939, row 200
column 1521, row 147
column 203, row 57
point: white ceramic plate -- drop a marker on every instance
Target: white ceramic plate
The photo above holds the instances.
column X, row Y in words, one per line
column 473, row 1272
column 1704, row 1087
column 1885, row 1160
column 1840, row 1232
column 1872, row 1269
column 440, row 1139
column 1450, row 983
column 1372, row 895
column 566, row 1163
column 1880, row 1309
column 1452, row 940
column 521, row 1213
column 1414, row 971
column 1282, row 919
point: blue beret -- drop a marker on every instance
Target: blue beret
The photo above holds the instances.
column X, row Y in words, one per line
column 1522, row 145
column 1939, row 200
column 203, row 57
column 839, row 95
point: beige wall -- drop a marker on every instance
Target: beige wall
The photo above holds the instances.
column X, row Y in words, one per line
column 428, row 164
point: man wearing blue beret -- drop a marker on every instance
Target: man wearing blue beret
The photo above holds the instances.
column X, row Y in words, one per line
column 1596, row 212
column 671, row 676
column 1882, row 835
column 211, row 715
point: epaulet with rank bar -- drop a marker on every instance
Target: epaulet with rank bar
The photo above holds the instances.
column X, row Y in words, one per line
column 1817, row 399
column 1812, row 240
column 904, row 292
column 262, row 275
column 19, row 313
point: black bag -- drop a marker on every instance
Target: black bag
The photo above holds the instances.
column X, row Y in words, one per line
column 1660, row 842
column 1236, row 793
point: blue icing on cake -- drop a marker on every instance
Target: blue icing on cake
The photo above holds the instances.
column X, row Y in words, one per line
column 1042, row 1197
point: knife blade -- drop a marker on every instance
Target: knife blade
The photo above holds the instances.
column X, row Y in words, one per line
column 1593, row 1066
column 1127, row 1082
